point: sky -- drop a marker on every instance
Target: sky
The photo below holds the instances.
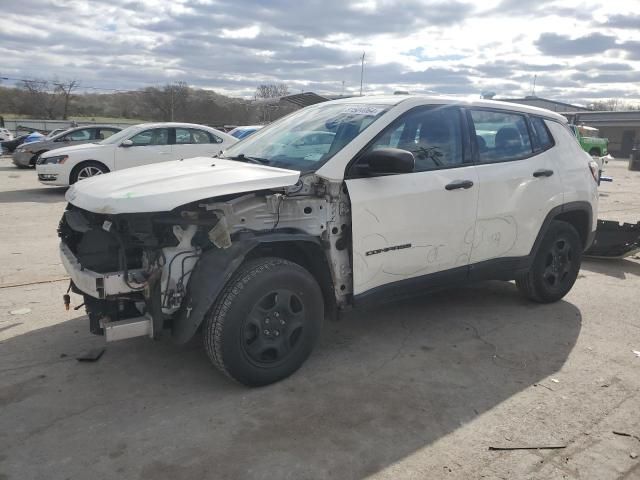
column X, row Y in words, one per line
column 580, row 50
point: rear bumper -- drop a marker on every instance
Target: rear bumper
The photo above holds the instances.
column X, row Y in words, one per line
column 97, row 285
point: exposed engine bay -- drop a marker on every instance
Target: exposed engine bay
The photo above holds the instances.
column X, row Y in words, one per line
column 165, row 269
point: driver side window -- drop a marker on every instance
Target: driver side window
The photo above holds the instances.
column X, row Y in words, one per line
column 433, row 135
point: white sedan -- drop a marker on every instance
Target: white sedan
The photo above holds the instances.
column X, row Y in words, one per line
column 134, row 146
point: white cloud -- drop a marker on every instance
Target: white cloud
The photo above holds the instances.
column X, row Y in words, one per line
column 456, row 46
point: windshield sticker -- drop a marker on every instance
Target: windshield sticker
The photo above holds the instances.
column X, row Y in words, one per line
column 367, row 110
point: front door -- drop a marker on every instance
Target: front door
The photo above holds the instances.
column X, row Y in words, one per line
column 148, row 146
column 408, row 226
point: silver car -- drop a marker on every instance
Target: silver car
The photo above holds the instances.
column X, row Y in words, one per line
column 26, row 154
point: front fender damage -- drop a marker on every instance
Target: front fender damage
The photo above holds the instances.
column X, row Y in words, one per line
column 212, row 272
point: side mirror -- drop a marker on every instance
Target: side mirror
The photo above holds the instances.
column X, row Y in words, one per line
column 388, row 161
column 127, row 143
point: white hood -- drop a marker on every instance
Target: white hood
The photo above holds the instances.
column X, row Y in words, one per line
column 163, row 186
column 84, row 147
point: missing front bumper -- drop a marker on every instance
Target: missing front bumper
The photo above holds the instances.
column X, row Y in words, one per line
column 97, row 285
column 615, row 240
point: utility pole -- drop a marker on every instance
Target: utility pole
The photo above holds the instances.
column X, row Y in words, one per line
column 172, row 92
column 362, row 72
column 533, row 89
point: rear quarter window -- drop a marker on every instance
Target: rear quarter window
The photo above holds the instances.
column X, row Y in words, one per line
column 543, row 138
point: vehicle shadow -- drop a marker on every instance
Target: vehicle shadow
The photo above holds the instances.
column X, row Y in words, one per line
column 382, row 384
column 37, row 195
column 618, row 268
column 13, row 168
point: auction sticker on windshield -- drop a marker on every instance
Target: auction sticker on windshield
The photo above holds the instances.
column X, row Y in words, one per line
column 363, row 110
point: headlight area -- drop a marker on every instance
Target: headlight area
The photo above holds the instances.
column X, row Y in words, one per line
column 141, row 263
column 55, row 160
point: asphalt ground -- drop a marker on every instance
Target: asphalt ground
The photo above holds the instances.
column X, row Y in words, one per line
column 419, row 389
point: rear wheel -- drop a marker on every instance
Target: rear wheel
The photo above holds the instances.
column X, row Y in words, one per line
column 555, row 266
column 265, row 322
column 86, row 170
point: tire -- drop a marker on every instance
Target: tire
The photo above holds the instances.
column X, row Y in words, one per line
column 555, row 266
column 81, row 170
column 265, row 322
column 594, row 152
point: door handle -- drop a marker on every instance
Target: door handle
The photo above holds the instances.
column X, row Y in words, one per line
column 456, row 184
column 543, row 173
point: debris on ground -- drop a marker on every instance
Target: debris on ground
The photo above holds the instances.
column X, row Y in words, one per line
column 555, row 380
column 91, row 356
column 625, row 434
column 20, row 311
column 544, row 447
column 633, row 455
column 636, row 353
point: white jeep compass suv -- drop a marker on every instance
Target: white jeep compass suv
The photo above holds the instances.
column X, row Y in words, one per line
column 339, row 204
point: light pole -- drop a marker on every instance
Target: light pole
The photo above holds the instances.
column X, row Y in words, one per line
column 362, row 72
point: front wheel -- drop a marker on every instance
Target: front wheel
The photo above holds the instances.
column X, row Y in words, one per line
column 265, row 323
column 86, row 170
column 555, row 266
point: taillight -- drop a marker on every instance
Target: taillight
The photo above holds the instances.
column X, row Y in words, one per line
column 595, row 171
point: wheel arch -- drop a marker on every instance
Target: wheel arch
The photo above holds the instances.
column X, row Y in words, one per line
column 577, row 214
column 79, row 165
column 597, row 150
column 32, row 160
column 216, row 267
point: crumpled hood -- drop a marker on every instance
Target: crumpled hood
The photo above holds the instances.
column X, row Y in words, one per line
column 75, row 148
column 163, row 186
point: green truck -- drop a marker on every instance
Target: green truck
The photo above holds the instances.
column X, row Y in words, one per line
column 590, row 141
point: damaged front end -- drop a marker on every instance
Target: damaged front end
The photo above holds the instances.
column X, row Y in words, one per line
column 140, row 273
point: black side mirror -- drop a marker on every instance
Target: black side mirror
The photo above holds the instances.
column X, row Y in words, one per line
column 388, row 161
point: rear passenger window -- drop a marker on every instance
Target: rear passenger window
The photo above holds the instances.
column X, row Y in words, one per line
column 432, row 135
column 501, row 136
column 194, row 136
column 544, row 140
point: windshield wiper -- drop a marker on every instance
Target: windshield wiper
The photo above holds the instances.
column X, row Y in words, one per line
column 241, row 157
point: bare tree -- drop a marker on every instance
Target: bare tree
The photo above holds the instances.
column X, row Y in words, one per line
column 612, row 105
column 271, row 90
column 168, row 102
column 37, row 99
column 266, row 91
column 65, row 89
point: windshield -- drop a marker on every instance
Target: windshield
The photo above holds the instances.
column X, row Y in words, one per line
column 121, row 135
column 306, row 139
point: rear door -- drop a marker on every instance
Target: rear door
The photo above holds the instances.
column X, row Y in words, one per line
column 409, row 226
column 194, row 142
column 149, row 146
column 518, row 184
